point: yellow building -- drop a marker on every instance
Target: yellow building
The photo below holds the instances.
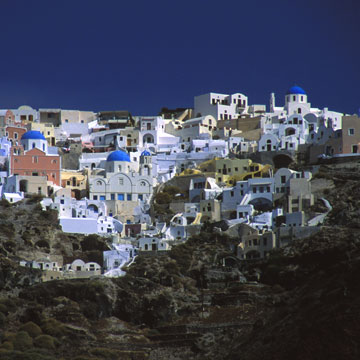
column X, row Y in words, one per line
column 47, row 130
column 77, row 181
column 229, row 171
column 210, row 210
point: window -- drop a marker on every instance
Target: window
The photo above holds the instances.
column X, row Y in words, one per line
column 299, row 110
column 15, row 135
column 102, row 197
column 121, row 181
column 121, row 197
column 231, row 193
column 95, row 197
column 283, row 179
column 254, row 190
column 140, row 197
column 294, row 98
column 112, row 196
column 99, row 183
column 128, row 197
column 35, row 159
column 351, row 131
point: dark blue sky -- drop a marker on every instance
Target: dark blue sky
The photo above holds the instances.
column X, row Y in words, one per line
column 142, row 55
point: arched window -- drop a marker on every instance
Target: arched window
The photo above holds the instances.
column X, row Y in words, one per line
column 98, row 182
column 33, row 145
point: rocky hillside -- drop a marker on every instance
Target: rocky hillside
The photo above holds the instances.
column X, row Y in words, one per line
column 28, row 233
column 194, row 302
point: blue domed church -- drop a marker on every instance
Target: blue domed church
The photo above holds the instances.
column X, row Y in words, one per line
column 124, row 184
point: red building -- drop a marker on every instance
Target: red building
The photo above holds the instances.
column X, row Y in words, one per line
column 14, row 133
column 33, row 159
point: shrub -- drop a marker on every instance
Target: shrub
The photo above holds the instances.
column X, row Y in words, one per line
column 8, row 229
column 2, row 319
column 53, row 327
column 93, row 242
column 45, row 342
column 4, row 215
column 9, row 245
column 7, row 345
column 50, row 215
column 3, row 309
column 105, row 353
column 163, row 198
column 4, row 203
column 23, row 341
column 26, row 236
column 43, row 244
column 34, row 199
column 10, row 303
column 32, row 329
column 9, row 336
column 172, row 190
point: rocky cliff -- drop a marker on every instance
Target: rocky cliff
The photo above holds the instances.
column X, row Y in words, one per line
column 194, row 302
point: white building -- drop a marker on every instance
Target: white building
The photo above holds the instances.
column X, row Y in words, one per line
column 153, row 136
column 121, row 255
column 221, row 106
column 257, row 192
column 296, row 103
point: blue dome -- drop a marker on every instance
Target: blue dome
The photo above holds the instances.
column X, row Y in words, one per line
column 296, row 90
column 118, row 155
column 145, row 153
column 33, row 135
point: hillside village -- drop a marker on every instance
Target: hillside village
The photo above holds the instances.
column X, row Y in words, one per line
column 148, row 183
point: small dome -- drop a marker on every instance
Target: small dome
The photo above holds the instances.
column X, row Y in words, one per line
column 33, row 135
column 296, row 90
column 145, row 153
column 25, row 107
column 118, row 155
